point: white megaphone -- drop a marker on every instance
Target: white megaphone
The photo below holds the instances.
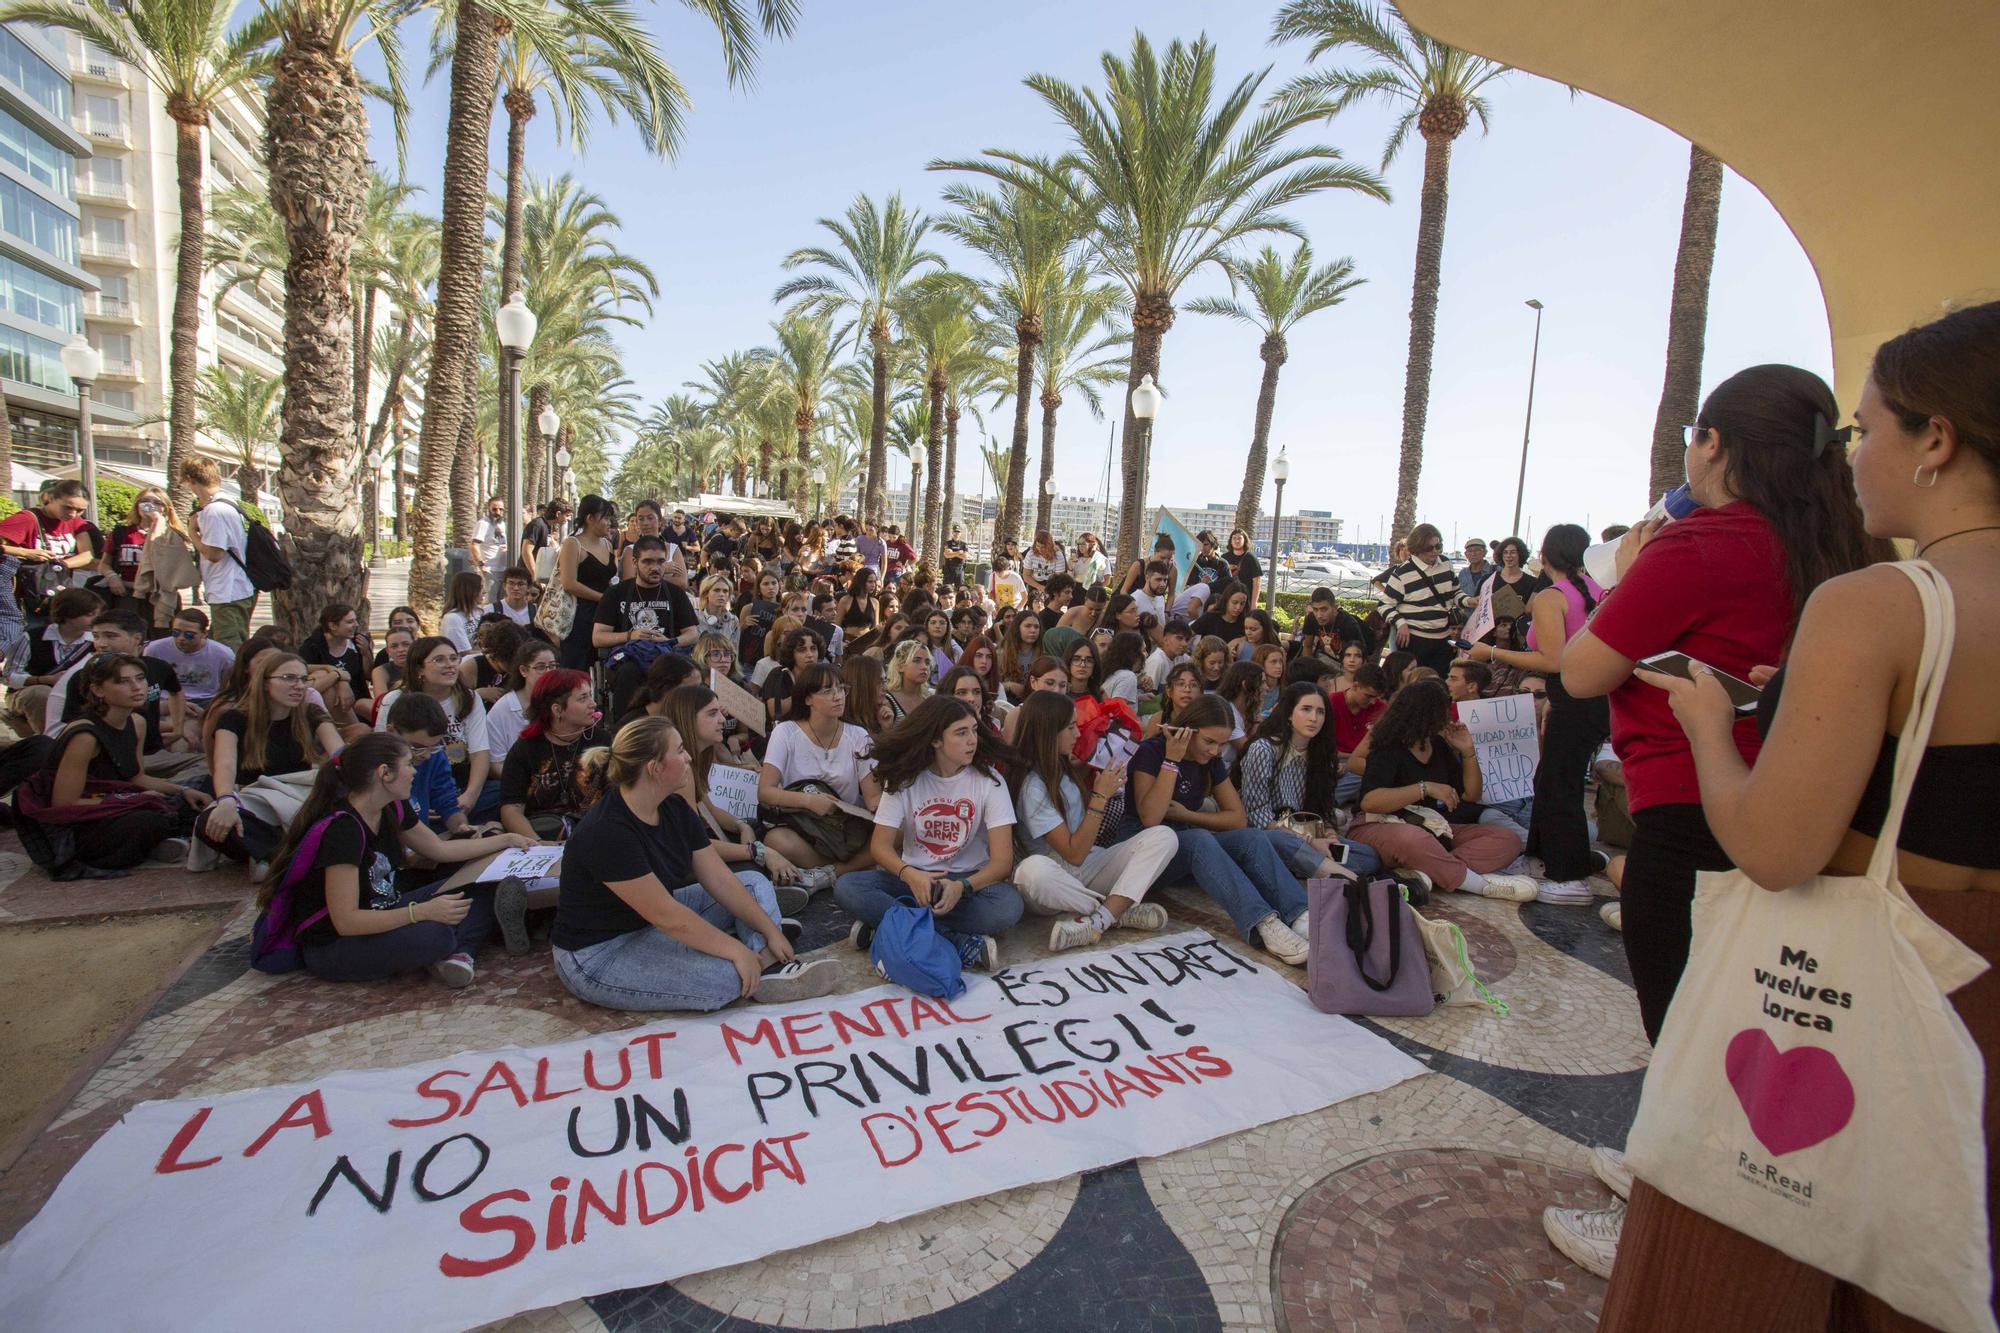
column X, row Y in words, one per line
column 1601, row 560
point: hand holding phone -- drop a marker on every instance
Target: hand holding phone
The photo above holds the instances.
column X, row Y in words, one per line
column 1743, row 696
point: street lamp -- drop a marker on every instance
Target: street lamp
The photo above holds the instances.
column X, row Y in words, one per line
column 550, row 421
column 374, row 493
column 1046, row 518
column 1145, row 405
column 515, row 325
column 1533, row 359
column 1281, row 471
column 82, row 363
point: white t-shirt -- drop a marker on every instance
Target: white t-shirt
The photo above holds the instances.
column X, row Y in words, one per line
column 1123, row 685
column 201, row 673
column 1039, row 814
column 944, row 820
column 520, row 617
column 463, row 736
column 796, row 756
column 457, row 627
column 224, row 580
column 1042, row 568
column 1158, row 664
column 1150, row 605
column 1008, row 589
column 504, row 722
column 489, row 538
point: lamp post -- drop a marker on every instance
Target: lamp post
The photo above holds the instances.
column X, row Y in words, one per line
column 374, row 502
column 82, row 363
column 1534, row 358
column 1145, row 405
column 1281, row 471
column 550, row 421
column 1045, row 520
column 515, row 326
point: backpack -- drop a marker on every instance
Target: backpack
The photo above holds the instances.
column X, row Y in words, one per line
column 908, row 950
column 274, row 938
column 266, row 565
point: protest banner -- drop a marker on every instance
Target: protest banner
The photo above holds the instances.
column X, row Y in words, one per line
column 448, row 1194
column 1507, row 744
column 1481, row 623
column 740, row 704
column 735, row 790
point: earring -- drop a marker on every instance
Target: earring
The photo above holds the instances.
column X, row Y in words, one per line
column 1918, row 479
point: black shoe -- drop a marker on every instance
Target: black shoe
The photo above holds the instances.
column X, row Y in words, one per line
column 1600, row 862
column 510, row 910
column 792, row 898
column 792, row 928
column 861, row 936
column 1416, row 887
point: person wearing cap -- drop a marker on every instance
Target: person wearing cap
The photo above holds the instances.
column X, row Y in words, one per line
column 1472, row 578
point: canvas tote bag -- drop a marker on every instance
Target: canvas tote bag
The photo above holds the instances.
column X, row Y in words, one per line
column 1812, row 1087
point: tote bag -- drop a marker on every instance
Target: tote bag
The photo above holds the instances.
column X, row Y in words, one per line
column 1367, row 954
column 1813, row 1088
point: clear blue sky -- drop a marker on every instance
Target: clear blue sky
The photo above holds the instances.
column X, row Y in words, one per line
column 1574, row 201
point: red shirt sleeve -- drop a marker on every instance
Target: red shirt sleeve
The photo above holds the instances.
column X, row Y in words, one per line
column 1659, row 598
column 20, row 529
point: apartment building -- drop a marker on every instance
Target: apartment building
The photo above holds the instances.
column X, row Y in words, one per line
column 1303, row 528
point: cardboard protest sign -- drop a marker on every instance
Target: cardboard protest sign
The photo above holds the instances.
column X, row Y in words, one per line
column 1481, row 623
column 742, row 705
column 1507, row 744
column 481, row 1185
column 735, row 790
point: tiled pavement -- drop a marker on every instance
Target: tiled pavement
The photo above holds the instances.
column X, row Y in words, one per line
column 1414, row 1208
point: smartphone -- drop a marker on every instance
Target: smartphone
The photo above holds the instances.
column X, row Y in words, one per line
column 1741, row 692
column 1340, row 852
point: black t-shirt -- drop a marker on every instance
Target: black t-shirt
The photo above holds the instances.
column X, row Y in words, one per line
column 1212, row 569
column 354, row 662
column 376, row 855
column 688, row 538
column 721, row 546
column 161, row 679
column 1193, row 785
column 536, row 535
column 823, row 628
column 629, row 607
column 952, row 568
column 1214, row 623
column 117, row 757
column 541, row 776
column 613, row 845
column 281, row 753
column 778, row 687
column 1243, row 567
column 1397, row 767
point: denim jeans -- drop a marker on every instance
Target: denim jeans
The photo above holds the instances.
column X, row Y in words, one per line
column 1511, row 815
column 1304, row 858
column 1242, row 870
column 1347, row 789
column 649, row 969
column 408, row 948
column 867, row 894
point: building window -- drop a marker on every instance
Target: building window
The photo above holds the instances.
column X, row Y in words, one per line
column 107, row 230
column 114, row 287
column 36, row 76
column 37, row 221
column 117, row 348
column 104, row 115
column 114, row 397
column 31, row 360
column 35, row 295
column 42, row 162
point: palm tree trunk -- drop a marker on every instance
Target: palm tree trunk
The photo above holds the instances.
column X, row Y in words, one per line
column 950, row 496
column 802, row 421
column 317, row 146
column 1152, row 316
column 183, row 356
column 916, row 515
column 1007, row 524
column 1050, row 402
column 540, row 484
column 933, row 490
column 1247, row 501
column 1423, row 325
column 520, row 110
column 454, row 336
column 364, row 360
column 1687, row 322
column 396, row 470
column 392, row 391
column 468, row 460
column 878, row 425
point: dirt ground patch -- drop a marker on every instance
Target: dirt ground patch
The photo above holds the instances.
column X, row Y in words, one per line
column 68, row 989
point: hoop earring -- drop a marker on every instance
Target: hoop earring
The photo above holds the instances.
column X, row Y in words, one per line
column 1918, row 479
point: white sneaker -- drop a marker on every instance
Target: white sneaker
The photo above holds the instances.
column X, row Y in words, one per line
column 1613, row 915
column 797, row 980
column 1507, row 888
column 817, row 879
column 1073, row 932
column 168, row 851
column 1609, row 1164
column 1282, row 942
column 1587, row 1237
column 1144, row 916
column 455, row 972
column 1525, row 865
column 1566, row 892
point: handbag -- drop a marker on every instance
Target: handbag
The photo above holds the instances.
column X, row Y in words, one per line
column 1813, row 1088
column 836, row 835
column 1453, row 982
column 556, row 612
column 1367, row 957
column 908, row 950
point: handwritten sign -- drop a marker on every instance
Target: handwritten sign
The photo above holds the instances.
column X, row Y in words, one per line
column 740, row 704
column 1507, row 744
column 481, row 1185
column 528, row 863
column 735, row 790
column 1481, row 623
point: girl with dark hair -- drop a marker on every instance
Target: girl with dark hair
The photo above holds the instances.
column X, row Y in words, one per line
column 1062, row 870
column 797, row 650
column 1019, row 647
column 339, row 642
column 1224, row 617
column 1121, row 612
column 545, row 787
column 1289, row 767
column 1087, row 611
column 1177, row 692
column 982, row 661
column 813, row 765
column 700, row 718
column 274, row 730
column 856, row 606
column 668, row 673
column 649, row 917
column 1047, row 675
column 1242, row 688
column 1513, row 586
column 461, row 613
column 585, row 563
column 1418, row 755
column 1258, row 630
column 432, row 668
column 352, row 921
column 1574, row 729
column 1394, row 664
column 867, row 693
column 937, row 634
column 964, row 685
column 1122, row 661
column 944, row 833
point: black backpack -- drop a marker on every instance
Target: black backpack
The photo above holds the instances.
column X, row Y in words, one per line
column 266, row 565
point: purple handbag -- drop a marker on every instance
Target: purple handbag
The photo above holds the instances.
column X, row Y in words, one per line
column 1367, row 954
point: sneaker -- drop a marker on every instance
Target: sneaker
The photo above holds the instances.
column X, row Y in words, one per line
column 981, row 953
column 792, row 898
column 1073, row 932
column 455, row 972
column 1507, row 888
column 1613, row 915
column 861, row 936
column 1416, row 885
column 1144, row 916
column 1524, row 864
column 260, row 870
column 168, row 850
column 1566, row 892
column 1282, row 942
column 1600, row 862
column 510, row 911
column 1609, row 1164
column 1587, row 1237
column 791, row 927
column 797, row 980
column 818, row 879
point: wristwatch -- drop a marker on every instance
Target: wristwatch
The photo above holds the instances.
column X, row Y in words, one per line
column 757, row 854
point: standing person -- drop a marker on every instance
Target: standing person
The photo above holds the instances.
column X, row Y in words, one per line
column 199, row 663
column 1043, row 561
column 125, row 549
column 489, row 548
column 221, row 542
column 584, row 567
column 901, row 555
column 1134, row 577
column 944, row 833
column 1574, row 729
column 1417, row 600
column 1513, row 586
column 871, row 549
column 1244, row 567
column 1088, row 565
column 1473, row 574
column 1208, row 566
column 338, row 643
column 50, row 540
column 540, row 539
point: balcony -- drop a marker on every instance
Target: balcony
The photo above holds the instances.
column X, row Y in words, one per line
column 110, row 252
column 116, row 368
column 263, row 358
column 89, row 191
column 98, row 68
column 117, row 134
column 96, row 305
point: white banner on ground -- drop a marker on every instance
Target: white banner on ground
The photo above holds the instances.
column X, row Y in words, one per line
column 735, row 790
column 1507, row 743
column 444, row 1195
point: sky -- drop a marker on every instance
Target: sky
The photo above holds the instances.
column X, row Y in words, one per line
column 1570, row 200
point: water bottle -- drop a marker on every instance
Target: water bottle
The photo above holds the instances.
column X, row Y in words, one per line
column 1601, row 560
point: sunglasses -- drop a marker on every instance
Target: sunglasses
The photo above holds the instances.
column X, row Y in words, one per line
column 189, row 634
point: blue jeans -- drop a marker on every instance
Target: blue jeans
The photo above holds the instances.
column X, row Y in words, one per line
column 1510, row 815
column 650, row 969
column 867, row 894
column 1347, row 789
column 1304, row 858
column 1242, row 870
column 409, row 948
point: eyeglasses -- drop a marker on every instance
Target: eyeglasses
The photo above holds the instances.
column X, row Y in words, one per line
column 419, row 753
column 290, row 678
column 1692, row 435
column 188, row 634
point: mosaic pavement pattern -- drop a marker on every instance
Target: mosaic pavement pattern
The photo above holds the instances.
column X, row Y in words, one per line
column 1414, row 1208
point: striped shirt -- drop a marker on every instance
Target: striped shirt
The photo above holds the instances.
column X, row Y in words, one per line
column 1270, row 785
column 1420, row 598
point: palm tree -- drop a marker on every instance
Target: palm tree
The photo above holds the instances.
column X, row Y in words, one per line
column 1028, row 242
column 735, row 385
column 241, row 406
column 877, row 253
column 1437, row 89
column 939, row 317
column 1687, row 321
column 1083, row 349
column 835, row 463
column 184, row 49
column 909, row 430
column 374, row 269
column 1171, row 179
column 1282, row 292
column 976, row 373
column 803, row 364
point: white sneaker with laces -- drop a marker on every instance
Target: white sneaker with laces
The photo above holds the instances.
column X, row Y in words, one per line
column 1073, row 932
column 1609, row 1164
column 1282, row 942
column 455, row 972
column 1565, row 892
column 1613, row 915
column 797, row 980
column 1144, row 916
column 1507, row 888
column 1588, row 1237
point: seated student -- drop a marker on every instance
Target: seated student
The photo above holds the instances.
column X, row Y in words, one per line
column 236, row 684
column 1006, row 587
column 509, row 712
column 964, row 685
column 329, row 685
column 390, row 663
column 1259, row 631
column 432, row 668
column 1046, row 676
column 354, row 920
column 419, row 721
column 1237, row 866
column 1062, row 869
column 666, row 675
column 1224, row 617
column 795, row 651
column 1173, row 650
column 1468, row 681
column 1242, row 688
column 1211, row 658
column 1019, row 647
column 124, row 632
column 199, row 663
column 980, row 658
column 1182, row 688
column 517, row 597
column 1269, row 659
column 715, row 655
column 649, row 917
column 817, row 745
column 62, row 644
column 940, row 767
column 103, row 744
column 338, row 642
column 274, row 730
column 699, row 717
column 1396, row 666
column 1121, row 666
column 461, row 614
column 1417, row 755
column 544, row 789
column 909, row 673
column 484, row 669
column 637, row 620
column 1325, row 629
column 867, row 694
column 1289, row 767
column 1352, row 656
column 1353, row 711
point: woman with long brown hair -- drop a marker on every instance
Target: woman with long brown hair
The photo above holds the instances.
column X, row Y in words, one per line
column 272, row 729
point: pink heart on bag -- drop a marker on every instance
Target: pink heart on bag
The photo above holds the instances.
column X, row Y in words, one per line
column 1793, row 1098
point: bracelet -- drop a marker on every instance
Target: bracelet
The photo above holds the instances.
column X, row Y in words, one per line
column 230, row 797
column 1423, row 791
column 410, row 909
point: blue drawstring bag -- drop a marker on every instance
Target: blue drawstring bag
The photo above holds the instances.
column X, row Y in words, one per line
column 909, row 951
